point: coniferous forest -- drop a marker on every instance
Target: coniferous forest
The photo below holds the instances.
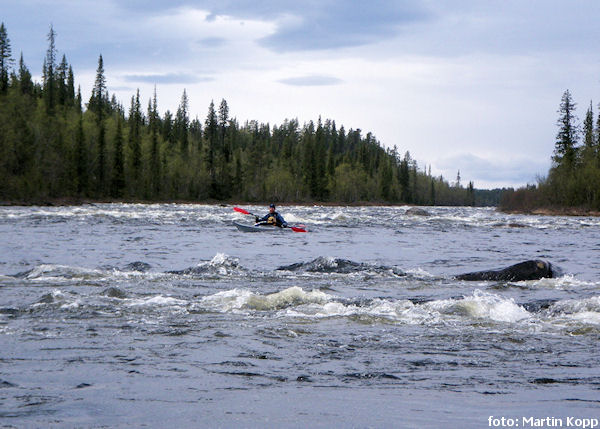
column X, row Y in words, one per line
column 573, row 182
column 56, row 146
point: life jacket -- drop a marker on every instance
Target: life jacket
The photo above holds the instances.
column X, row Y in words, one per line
column 272, row 219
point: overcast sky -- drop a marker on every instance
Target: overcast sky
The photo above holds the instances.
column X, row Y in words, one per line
column 469, row 85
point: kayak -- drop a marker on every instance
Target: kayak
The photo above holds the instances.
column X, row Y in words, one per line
column 257, row 228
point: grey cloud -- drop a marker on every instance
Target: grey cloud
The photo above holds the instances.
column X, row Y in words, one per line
column 312, row 80
column 168, row 78
column 340, row 24
column 515, row 171
column 212, row 42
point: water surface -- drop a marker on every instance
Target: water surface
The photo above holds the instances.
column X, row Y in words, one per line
column 122, row 315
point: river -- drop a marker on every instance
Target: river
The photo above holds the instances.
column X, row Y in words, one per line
column 165, row 315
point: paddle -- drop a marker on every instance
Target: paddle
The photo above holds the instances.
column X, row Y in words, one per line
column 246, row 212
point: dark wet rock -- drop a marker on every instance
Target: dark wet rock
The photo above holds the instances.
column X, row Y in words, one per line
column 114, row 292
column 545, row 380
column 137, row 266
column 539, row 305
column 82, row 385
column 190, row 270
column 527, row 270
column 516, row 225
column 339, row 266
column 325, row 265
column 415, row 211
column 217, row 266
column 22, row 274
column 46, row 299
column 6, row 384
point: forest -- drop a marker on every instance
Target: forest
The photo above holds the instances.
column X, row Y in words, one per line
column 573, row 181
column 55, row 146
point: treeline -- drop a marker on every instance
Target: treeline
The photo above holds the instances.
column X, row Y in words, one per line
column 53, row 146
column 573, row 181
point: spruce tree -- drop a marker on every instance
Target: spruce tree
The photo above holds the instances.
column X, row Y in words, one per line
column 211, row 135
column 70, row 87
column 597, row 141
column 6, row 60
column 81, row 159
column 155, row 175
column 182, row 122
column 135, row 137
column 101, row 167
column 565, row 148
column 25, row 82
column 61, row 81
column 49, row 72
column 223, row 117
column 118, row 174
column 99, row 98
column 588, row 136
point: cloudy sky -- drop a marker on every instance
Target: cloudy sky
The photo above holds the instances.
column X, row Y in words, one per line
column 469, row 85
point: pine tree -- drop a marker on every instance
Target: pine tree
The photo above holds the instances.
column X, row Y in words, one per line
column 6, row 60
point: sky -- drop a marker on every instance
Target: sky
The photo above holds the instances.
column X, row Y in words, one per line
column 463, row 85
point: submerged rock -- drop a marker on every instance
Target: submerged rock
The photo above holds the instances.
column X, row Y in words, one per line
column 527, row 270
column 339, row 266
column 415, row 211
column 113, row 292
column 137, row 266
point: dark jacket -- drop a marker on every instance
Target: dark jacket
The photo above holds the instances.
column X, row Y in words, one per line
column 273, row 218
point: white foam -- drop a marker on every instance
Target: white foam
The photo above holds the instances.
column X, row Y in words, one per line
column 482, row 305
column 157, row 301
column 51, row 271
column 576, row 310
column 564, row 282
column 243, row 299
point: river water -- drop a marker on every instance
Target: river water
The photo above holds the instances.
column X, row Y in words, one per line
column 123, row 315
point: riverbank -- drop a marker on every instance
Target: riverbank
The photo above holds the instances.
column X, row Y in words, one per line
column 555, row 211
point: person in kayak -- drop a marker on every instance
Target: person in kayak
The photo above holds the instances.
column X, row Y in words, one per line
column 272, row 218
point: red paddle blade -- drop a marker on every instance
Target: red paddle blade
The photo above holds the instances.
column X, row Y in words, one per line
column 296, row 229
column 240, row 210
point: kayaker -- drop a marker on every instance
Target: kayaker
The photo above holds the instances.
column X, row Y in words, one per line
column 272, row 218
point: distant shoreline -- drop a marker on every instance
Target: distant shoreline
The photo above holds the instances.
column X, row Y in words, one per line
column 556, row 211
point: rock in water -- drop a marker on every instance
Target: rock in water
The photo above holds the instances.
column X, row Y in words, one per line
column 415, row 211
column 527, row 270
